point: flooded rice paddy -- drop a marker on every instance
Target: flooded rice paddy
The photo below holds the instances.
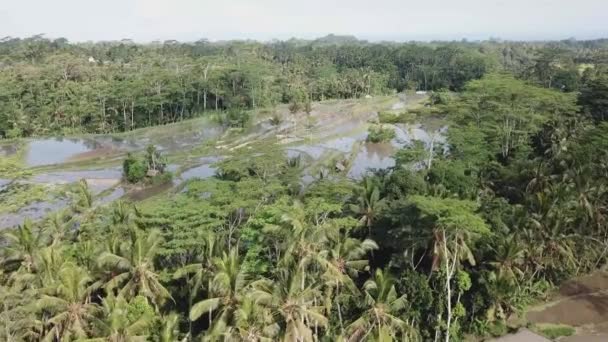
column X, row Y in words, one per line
column 331, row 134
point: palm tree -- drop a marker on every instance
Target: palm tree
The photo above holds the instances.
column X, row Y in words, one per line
column 57, row 227
column 197, row 273
column 170, row 328
column 119, row 324
column 508, row 258
column 121, row 213
column 84, row 197
column 226, row 291
column 253, row 323
column 368, row 203
column 294, row 307
column 133, row 269
column 69, row 304
column 381, row 316
column 305, row 241
column 18, row 322
column 341, row 262
column 23, row 244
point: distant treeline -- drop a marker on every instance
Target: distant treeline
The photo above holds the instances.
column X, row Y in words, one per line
column 54, row 87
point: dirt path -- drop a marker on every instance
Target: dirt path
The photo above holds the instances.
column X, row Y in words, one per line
column 523, row 335
column 581, row 303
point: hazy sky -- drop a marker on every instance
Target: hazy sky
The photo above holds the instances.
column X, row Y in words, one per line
column 146, row 20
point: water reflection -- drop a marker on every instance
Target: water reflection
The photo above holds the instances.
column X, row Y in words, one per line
column 8, row 150
column 372, row 156
column 98, row 180
column 58, row 150
column 202, row 172
column 114, row 195
column 34, row 211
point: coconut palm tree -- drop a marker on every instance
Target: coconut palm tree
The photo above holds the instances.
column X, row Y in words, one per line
column 119, row 324
column 57, row 227
column 18, row 322
column 196, row 274
column 368, row 203
column 226, row 293
column 292, row 306
column 84, row 197
column 253, row 323
column 132, row 270
column 169, row 331
column 22, row 246
column 69, row 304
column 508, row 258
column 345, row 259
column 381, row 317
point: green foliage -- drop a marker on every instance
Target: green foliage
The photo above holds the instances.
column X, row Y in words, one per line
column 451, row 214
column 380, row 133
column 18, row 195
column 507, row 111
column 395, row 118
column 234, row 117
column 594, row 97
column 150, row 167
column 440, row 97
column 134, row 169
column 555, row 331
column 434, row 249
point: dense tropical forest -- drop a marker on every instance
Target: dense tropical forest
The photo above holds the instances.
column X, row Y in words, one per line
column 447, row 244
column 54, row 87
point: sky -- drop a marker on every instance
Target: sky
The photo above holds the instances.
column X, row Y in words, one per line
column 190, row 20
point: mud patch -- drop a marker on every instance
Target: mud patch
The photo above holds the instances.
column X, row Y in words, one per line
column 98, row 180
column 145, row 193
column 582, row 303
column 114, row 195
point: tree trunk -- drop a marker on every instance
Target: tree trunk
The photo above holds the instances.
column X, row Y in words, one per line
column 430, row 162
column 132, row 114
column 448, row 288
column 124, row 116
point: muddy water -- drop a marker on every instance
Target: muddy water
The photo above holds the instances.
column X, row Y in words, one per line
column 4, row 183
column 145, row 193
column 8, row 150
column 180, row 141
column 313, row 151
column 372, row 156
column 56, row 150
column 405, row 133
column 99, row 180
column 114, row 195
column 202, row 172
column 33, row 211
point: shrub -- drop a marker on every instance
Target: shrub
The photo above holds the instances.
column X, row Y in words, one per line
column 134, row 169
column 553, row 331
column 394, row 118
column 379, row 133
column 440, row 97
column 162, row 178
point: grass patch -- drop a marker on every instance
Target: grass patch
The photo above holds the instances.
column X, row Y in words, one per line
column 13, row 165
column 394, row 118
column 19, row 195
column 380, row 133
column 553, row 331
